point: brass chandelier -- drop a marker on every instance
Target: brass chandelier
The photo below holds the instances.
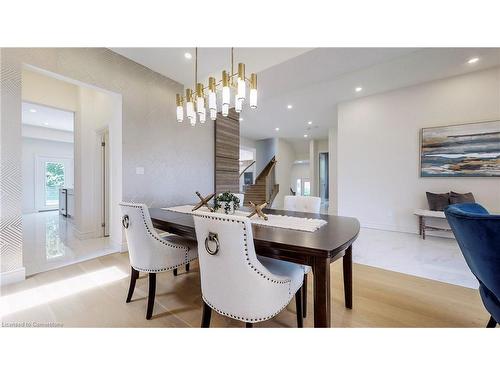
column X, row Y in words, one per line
column 195, row 100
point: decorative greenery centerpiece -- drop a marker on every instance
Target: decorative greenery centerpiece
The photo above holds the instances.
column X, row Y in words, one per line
column 228, row 201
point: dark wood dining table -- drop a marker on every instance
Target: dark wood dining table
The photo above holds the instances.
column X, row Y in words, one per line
column 317, row 249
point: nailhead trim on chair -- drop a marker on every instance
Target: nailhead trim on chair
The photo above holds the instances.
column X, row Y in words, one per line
column 155, row 236
column 244, row 319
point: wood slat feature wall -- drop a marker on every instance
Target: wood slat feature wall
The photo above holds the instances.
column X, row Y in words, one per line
column 227, row 153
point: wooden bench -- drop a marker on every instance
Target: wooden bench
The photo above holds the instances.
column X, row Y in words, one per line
column 423, row 215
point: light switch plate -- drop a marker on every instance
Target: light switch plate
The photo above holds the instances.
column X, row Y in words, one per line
column 139, row 170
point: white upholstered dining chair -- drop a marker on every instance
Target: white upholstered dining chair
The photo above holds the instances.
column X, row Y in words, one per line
column 150, row 252
column 234, row 281
column 303, row 204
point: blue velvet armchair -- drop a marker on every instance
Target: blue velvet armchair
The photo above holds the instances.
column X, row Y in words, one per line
column 478, row 235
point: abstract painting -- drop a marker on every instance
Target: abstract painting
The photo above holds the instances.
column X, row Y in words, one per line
column 468, row 150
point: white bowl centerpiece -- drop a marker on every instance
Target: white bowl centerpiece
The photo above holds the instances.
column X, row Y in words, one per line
column 227, row 202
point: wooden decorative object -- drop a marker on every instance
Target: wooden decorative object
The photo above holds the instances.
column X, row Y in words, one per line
column 257, row 209
column 203, row 202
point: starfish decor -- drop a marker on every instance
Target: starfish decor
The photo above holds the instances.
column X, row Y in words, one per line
column 203, row 202
column 257, row 209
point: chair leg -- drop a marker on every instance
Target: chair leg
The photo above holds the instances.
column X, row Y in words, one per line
column 187, row 267
column 151, row 297
column 206, row 315
column 134, row 275
column 492, row 323
column 304, row 297
column 298, row 307
column 175, row 271
column 249, row 325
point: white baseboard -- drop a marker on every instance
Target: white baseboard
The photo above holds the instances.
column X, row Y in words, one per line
column 87, row 235
column 389, row 227
column 12, row 277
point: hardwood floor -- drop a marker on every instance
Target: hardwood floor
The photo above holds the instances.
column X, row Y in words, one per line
column 381, row 299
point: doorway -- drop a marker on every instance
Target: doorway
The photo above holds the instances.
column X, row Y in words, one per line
column 70, row 187
column 323, row 176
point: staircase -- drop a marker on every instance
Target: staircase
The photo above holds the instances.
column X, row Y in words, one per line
column 265, row 188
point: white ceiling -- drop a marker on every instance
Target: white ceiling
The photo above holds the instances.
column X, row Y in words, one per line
column 314, row 81
column 376, row 70
column 171, row 62
column 47, row 117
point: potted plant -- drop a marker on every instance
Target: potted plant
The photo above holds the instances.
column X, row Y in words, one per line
column 227, row 201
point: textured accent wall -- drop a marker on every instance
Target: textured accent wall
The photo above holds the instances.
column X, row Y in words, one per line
column 227, row 153
column 10, row 166
column 177, row 158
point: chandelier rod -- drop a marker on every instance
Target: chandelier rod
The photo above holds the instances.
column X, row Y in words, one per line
column 232, row 62
column 195, row 66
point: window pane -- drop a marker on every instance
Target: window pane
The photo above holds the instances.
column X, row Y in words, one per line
column 307, row 188
column 54, row 179
column 299, row 187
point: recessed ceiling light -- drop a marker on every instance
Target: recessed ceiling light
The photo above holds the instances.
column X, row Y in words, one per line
column 309, row 122
column 473, row 60
column 241, row 119
column 45, row 123
column 358, row 89
column 289, row 106
column 188, row 56
column 32, row 110
column 305, row 135
column 277, row 129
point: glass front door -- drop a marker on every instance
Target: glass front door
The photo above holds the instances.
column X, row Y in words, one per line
column 54, row 180
column 52, row 174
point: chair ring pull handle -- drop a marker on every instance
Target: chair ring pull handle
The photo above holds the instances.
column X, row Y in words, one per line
column 125, row 221
column 213, row 238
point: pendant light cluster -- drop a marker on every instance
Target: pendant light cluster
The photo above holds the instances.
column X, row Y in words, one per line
column 196, row 100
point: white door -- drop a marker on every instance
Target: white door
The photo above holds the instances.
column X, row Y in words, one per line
column 52, row 173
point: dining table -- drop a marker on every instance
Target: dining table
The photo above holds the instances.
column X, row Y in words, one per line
column 317, row 249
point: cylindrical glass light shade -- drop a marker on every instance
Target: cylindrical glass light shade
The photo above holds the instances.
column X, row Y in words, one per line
column 241, row 90
column 225, row 110
column 213, row 114
column 180, row 113
column 200, row 104
column 193, row 120
column 203, row 116
column 238, row 104
column 212, row 100
column 253, row 98
column 226, row 94
column 190, row 110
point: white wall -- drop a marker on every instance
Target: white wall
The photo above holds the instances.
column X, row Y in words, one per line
column 250, row 145
column 41, row 89
column 314, row 167
column 285, row 157
column 266, row 149
column 332, row 173
column 94, row 113
column 378, row 148
column 32, row 148
column 38, row 132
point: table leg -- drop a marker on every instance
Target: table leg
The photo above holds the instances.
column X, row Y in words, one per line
column 321, row 273
column 423, row 228
column 420, row 225
column 347, row 264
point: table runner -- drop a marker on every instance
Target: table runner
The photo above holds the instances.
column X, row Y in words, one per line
column 278, row 221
